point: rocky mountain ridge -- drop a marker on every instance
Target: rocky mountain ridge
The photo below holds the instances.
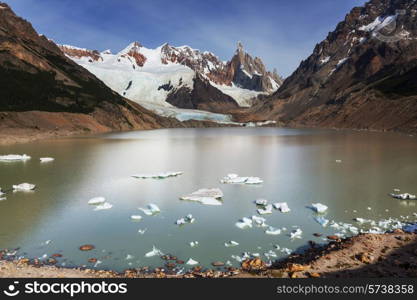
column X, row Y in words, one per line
column 363, row 75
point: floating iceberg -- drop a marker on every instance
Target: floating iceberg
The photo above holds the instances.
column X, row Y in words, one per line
column 410, row 227
column 14, row 157
column 46, row 159
column 338, row 161
column 24, row 187
column 96, row 200
column 231, row 244
column 322, row 221
column 191, row 262
column 270, row 254
column 296, row 234
column 151, row 209
column 194, row 244
column 318, row 207
column 136, row 217
column 129, row 257
column 405, row 196
column 266, row 210
column 154, row 252
column 187, row 219
column 259, row 221
column 282, row 207
column 244, row 223
column 235, row 179
column 261, row 202
column 273, row 231
column 157, row 175
column 286, row 251
column 142, row 231
column 103, row 206
column 205, row 196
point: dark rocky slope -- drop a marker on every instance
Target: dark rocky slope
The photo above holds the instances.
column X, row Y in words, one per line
column 363, row 75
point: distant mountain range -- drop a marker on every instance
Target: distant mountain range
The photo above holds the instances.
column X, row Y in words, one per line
column 180, row 76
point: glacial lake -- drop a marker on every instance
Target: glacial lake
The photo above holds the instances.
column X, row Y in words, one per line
column 298, row 167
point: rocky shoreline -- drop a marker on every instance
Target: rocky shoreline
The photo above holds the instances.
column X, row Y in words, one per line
column 392, row 254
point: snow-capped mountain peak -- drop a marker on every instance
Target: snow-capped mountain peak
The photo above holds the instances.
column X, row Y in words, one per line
column 159, row 75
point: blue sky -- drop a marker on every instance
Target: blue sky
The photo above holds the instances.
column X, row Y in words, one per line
column 281, row 32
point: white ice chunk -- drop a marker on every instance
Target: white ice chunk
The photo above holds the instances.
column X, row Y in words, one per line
column 244, row 223
column 191, row 262
column 231, row 244
column 142, row 231
column 157, row 175
column 322, row 221
column 46, row 159
column 194, row 244
column 259, row 221
column 24, row 187
column 273, row 231
column 261, row 202
column 296, row 234
column 103, row 206
column 405, row 196
column 129, row 257
column 154, row 252
column 151, row 209
column 205, row 196
column 318, row 207
column 266, row 210
column 14, row 157
column 96, row 200
column 136, row 217
column 282, row 207
column 187, row 219
column 235, row 179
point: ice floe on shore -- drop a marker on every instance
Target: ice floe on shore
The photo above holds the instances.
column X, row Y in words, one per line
column 154, row 252
column 236, row 179
column 151, row 209
column 24, row 187
column 205, row 196
column 162, row 175
column 14, row 157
